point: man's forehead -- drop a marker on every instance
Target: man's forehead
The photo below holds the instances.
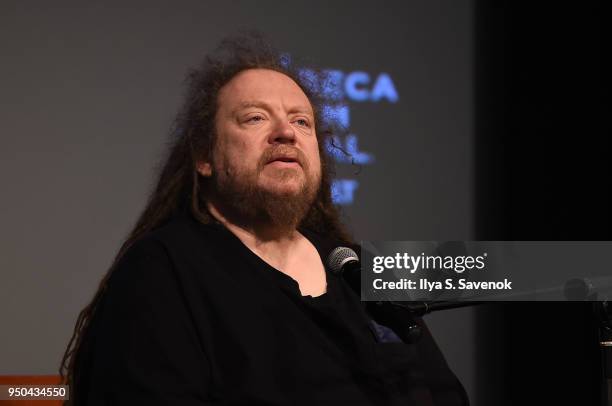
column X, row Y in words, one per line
column 264, row 88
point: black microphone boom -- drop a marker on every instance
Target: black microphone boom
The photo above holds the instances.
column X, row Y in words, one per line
column 399, row 316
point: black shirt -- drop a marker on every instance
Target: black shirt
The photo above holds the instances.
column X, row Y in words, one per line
column 191, row 316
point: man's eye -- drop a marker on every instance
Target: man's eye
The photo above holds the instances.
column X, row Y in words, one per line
column 254, row 119
column 302, row 122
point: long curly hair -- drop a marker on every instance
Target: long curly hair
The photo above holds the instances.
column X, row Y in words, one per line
column 180, row 188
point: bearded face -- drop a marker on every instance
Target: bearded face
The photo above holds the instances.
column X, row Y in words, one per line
column 266, row 166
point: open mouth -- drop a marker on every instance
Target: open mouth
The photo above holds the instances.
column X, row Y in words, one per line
column 284, row 161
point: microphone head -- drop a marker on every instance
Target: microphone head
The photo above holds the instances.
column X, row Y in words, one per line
column 339, row 257
column 579, row 289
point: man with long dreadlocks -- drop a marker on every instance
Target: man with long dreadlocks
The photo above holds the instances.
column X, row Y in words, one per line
column 219, row 295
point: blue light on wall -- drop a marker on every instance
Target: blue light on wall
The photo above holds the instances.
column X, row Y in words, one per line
column 343, row 190
column 340, row 88
column 336, row 145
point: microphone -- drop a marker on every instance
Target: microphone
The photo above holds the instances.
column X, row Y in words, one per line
column 340, row 257
column 591, row 289
column 343, row 261
column 399, row 316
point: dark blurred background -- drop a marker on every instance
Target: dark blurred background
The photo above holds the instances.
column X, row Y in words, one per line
column 496, row 132
column 543, row 168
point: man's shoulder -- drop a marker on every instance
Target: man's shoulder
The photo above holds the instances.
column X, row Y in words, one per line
column 181, row 233
column 169, row 244
column 183, row 228
column 165, row 255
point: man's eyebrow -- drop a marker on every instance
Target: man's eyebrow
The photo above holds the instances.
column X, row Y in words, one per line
column 264, row 105
column 301, row 109
column 253, row 103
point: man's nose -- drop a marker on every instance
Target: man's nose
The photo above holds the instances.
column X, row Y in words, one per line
column 282, row 133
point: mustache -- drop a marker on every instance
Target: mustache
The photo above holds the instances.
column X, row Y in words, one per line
column 283, row 152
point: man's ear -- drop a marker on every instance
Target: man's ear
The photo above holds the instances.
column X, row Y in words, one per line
column 204, row 168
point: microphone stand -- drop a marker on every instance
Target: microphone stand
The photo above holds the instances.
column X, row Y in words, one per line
column 400, row 316
column 603, row 311
column 422, row 308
